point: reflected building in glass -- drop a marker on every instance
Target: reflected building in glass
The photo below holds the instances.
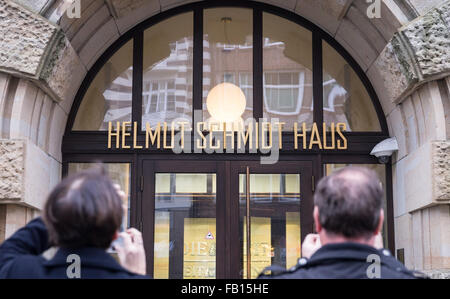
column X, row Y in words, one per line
column 167, row 72
column 228, row 57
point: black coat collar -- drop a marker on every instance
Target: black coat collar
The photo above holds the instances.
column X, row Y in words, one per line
column 342, row 251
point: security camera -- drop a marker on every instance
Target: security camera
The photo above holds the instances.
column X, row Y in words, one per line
column 385, row 149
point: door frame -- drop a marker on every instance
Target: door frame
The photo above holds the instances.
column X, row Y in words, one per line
column 149, row 168
column 304, row 168
column 224, row 162
column 228, row 251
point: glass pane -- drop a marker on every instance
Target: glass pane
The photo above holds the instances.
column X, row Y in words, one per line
column 228, row 57
column 119, row 173
column 108, row 98
column 287, row 79
column 275, row 221
column 167, row 77
column 380, row 169
column 345, row 99
column 185, row 225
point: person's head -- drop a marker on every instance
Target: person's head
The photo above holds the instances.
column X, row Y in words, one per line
column 349, row 206
column 83, row 210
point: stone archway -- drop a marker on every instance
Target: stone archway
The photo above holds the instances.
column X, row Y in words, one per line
column 406, row 55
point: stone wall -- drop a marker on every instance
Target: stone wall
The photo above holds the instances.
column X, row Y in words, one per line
column 25, row 36
column 421, row 179
column 441, row 171
column 11, row 169
column 418, row 53
column 13, row 217
column 36, row 49
column 26, row 173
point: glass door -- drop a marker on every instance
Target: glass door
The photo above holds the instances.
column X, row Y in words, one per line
column 275, row 213
column 194, row 216
column 183, row 235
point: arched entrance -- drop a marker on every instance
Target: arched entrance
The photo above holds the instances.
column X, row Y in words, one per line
column 193, row 207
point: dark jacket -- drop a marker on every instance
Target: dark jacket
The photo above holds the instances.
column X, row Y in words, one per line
column 21, row 257
column 348, row 261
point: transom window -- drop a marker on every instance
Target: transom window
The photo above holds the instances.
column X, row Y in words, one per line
column 165, row 72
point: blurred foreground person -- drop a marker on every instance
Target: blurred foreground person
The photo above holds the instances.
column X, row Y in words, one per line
column 82, row 216
column 348, row 216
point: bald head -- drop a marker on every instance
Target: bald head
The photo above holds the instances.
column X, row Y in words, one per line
column 349, row 202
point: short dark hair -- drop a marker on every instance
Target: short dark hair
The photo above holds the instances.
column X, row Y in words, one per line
column 83, row 210
column 349, row 202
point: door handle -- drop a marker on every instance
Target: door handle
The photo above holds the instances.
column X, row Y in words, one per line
column 249, row 276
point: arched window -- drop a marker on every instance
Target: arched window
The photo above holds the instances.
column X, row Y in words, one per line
column 193, row 205
column 286, row 70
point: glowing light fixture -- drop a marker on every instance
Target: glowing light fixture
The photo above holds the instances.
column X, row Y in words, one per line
column 226, row 103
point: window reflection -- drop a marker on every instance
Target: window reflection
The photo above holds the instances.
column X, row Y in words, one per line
column 345, row 98
column 283, row 92
column 167, row 72
column 287, row 79
column 227, row 57
column 228, row 53
column 109, row 95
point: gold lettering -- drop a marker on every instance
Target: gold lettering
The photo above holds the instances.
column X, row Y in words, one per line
column 333, row 137
column 280, row 134
column 125, row 124
column 122, row 131
column 227, row 133
column 117, row 134
column 339, row 132
column 172, row 137
column 203, row 139
column 302, row 135
column 135, row 136
column 315, row 137
column 149, row 135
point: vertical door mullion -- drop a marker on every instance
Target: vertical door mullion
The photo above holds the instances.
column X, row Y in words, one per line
column 134, row 194
column 176, row 236
column 257, row 64
column 235, row 250
column 136, row 104
column 148, row 212
column 389, row 208
column 197, row 80
column 228, row 195
column 317, row 78
column 220, row 221
column 248, row 223
column 306, row 202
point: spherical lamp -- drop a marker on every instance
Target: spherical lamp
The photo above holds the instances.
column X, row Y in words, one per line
column 226, row 103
